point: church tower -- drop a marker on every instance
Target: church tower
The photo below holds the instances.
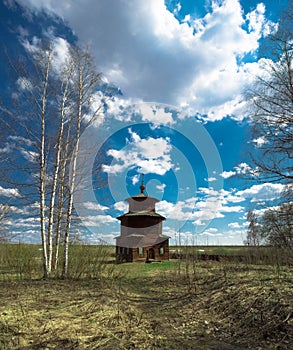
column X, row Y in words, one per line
column 141, row 237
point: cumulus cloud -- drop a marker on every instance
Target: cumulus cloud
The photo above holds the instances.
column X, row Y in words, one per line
column 155, row 57
column 9, row 192
column 95, row 206
column 155, row 115
column 150, row 155
column 212, row 204
column 263, row 192
column 209, row 205
column 243, row 168
column 180, row 211
column 227, row 174
column 60, row 54
column 97, row 220
column 240, row 169
column 121, row 206
column 234, row 225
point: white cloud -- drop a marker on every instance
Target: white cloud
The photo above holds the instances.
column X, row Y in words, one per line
column 212, row 204
column 31, row 156
column 151, row 155
column 60, row 53
column 21, row 140
column 94, row 206
column 24, row 84
column 263, row 192
column 161, row 187
column 171, row 210
column 121, row 206
column 209, row 205
column 19, row 143
column 97, row 220
column 257, row 22
column 155, row 115
column 260, row 141
column 9, row 192
column 135, row 179
column 211, row 179
column 234, row 225
column 243, row 168
column 154, row 57
column 227, row 174
column 212, row 231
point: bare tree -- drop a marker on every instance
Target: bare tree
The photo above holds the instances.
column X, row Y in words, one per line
column 271, row 100
column 4, row 213
column 85, row 81
column 254, row 232
column 277, row 226
column 58, row 172
column 51, row 110
column 27, row 118
column 272, row 112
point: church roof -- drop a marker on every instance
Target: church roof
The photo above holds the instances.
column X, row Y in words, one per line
column 142, row 213
column 137, row 240
column 141, row 205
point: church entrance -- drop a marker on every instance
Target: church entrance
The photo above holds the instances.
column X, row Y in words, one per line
column 151, row 253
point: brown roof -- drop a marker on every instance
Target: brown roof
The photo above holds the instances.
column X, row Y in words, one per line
column 139, row 195
column 142, row 213
column 138, row 240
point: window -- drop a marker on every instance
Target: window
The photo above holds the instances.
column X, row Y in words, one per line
column 140, row 251
column 161, row 250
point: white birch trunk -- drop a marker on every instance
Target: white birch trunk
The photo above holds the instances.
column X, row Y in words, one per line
column 61, row 199
column 73, row 174
column 56, row 174
column 42, row 185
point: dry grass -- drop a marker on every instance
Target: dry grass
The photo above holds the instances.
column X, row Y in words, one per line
column 208, row 305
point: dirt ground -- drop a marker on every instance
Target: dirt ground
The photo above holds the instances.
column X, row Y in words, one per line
column 208, row 307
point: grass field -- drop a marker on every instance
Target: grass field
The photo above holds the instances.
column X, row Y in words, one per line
column 177, row 304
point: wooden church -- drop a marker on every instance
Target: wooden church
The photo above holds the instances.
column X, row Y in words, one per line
column 141, row 237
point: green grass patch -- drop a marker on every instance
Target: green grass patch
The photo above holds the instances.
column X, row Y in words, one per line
column 142, row 269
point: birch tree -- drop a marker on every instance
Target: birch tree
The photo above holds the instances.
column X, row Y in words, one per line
column 53, row 107
column 4, row 212
column 26, row 118
column 85, row 82
column 57, row 173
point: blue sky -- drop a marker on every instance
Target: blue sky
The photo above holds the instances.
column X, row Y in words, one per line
column 180, row 118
